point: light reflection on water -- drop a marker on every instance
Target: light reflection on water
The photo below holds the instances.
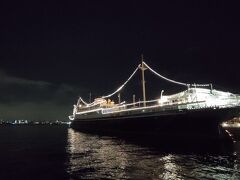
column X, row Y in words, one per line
column 94, row 157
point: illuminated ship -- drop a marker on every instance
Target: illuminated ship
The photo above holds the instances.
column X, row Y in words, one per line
column 196, row 112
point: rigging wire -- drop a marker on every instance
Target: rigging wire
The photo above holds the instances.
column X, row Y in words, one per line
column 153, row 71
column 81, row 100
column 120, row 88
column 170, row 80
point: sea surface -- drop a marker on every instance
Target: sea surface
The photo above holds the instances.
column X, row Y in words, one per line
column 59, row 152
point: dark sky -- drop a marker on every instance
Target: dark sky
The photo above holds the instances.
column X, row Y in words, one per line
column 52, row 52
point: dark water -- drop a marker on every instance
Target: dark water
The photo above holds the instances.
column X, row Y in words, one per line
column 59, row 152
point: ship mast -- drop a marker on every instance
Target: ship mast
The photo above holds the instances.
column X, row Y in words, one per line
column 143, row 68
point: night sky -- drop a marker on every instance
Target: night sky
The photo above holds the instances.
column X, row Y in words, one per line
column 53, row 52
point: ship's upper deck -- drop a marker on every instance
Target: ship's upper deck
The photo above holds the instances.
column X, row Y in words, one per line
column 193, row 98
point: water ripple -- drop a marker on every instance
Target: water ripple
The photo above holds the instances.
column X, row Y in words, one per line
column 94, row 157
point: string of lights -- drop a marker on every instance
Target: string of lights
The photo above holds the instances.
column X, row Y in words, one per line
column 170, row 80
column 83, row 101
column 201, row 85
column 122, row 86
column 153, row 71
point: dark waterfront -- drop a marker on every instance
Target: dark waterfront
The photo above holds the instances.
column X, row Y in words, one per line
column 59, row 152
